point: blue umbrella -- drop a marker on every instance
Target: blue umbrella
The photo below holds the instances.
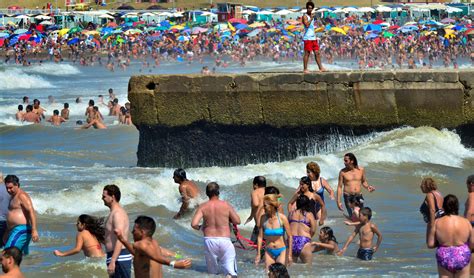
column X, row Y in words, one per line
column 372, row 27
column 106, row 30
column 371, row 36
column 241, row 26
column 73, row 41
column 4, row 35
column 13, row 40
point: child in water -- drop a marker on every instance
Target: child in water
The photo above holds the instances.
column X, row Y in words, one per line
column 355, row 204
column 327, row 242
column 366, row 231
column 91, row 234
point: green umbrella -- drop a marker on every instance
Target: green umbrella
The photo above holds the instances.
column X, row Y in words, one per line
column 388, row 34
column 161, row 28
column 74, row 30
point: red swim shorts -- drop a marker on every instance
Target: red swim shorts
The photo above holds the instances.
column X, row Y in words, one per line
column 311, row 46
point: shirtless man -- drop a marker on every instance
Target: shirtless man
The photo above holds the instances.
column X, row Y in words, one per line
column 65, row 111
column 90, row 110
column 31, row 116
column 11, row 260
column 21, row 218
column 20, row 114
column 217, row 215
column 352, row 177
column 56, row 119
column 147, row 254
column 187, row 189
column 119, row 259
column 115, row 110
column 95, row 121
column 38, row 109
column 256, row 203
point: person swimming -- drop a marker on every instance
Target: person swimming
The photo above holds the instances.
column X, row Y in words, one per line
column 327, row 242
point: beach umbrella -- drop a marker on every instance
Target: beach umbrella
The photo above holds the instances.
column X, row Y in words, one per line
column 394, row 27
column 338, row 30
column 73, row 41
column 372, row 27
column 241, row 26
column 319, row 29
column 448, row 20
column 24, row 37
column 383, row 9
column 350, row 10
column 74, row 29
column 197, row 30
column 20, row 31
column 378, row 22
column 257, row 25
column 388, row 34
column 63, row 31
column 161, row 28
column 132, row 32
column 371, row 36
column 106, row 16
column 46, row 22
column 42, row 17
column 112, row 24
column 366, row 10
column 254, row 33
column 183, row 38
column 23, row 16
column 469, row 32
column 450, row 36
column 91, row 33
column 4, row 35
column 238, row 20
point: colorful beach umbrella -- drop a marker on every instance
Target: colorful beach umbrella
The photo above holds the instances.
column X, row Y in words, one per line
column 338, row 30
column 62, row 32
column 20, row 31
column 73, row 41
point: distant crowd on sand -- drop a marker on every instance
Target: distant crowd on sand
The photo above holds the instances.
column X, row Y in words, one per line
column 94, row 118
column 278, row 239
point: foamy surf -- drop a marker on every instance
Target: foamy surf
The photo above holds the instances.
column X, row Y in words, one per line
column 14, row 78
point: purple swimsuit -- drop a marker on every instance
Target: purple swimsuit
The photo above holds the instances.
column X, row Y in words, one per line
column 453, row 258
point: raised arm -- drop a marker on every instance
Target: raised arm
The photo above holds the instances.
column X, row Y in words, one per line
column 73, row 251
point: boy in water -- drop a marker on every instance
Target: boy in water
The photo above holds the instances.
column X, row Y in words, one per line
column 147, row 253
column 20, row 114
column 366, row 231
column 65, row 111
column 56, row 119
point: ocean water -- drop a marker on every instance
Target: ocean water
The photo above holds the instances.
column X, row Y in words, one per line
column 64, row 170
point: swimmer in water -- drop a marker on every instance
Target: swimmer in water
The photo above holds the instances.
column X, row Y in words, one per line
column 90, row 234
column 56, row 119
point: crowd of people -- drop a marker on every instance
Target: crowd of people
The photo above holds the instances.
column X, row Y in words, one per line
column 425, row 44
column 94, row 118
column 279, row 239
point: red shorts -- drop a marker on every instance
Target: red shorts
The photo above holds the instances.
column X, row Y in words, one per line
column 311, row 46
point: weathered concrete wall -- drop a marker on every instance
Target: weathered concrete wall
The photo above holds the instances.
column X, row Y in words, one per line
column 237, row 109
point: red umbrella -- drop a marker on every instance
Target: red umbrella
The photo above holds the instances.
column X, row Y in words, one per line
column 469, row 32
column 378, row 22
column 394, row 27
column 112, row 24
column 238, row 20
column 24, row 37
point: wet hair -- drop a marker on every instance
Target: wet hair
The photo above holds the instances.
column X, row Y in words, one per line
column 56, row 112
column 78, row 99
column 309, row 3
column 94, row 225
column 20, row 107
column 12, row 179
column 113, row 190
column 115, row 100
column 260, row 181
column 79, row 122
column 306, row 180
column 212, row 189
column 278, row 270
column 271, row 190
column 101, row 96
column 91, row 102
column 147, row 224
column 111, row 90
column 25, row 98
column 353, row 158
column 328, row 231
column 96, row 108
column 29, row 108
column 180, row 173
column 123, row 110
column 35, row 101
column 366, row 211
column 272, row 200
column 303, row 203
column 13, row 252
column 470, row 179
column 428, row 185
column 451, row 205
column 357, row 201
column 66, row 105
column 313, row 167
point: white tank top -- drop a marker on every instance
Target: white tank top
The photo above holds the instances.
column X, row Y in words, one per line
column 309, row 34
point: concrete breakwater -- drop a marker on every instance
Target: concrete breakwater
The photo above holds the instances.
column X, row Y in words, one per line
column 197, row 121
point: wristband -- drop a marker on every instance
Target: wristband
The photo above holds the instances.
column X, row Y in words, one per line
column 172, row 263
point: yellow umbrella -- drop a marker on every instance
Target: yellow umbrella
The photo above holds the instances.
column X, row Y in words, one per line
column 290, row 27
column 339, row 30
column 62, row 32
column 257, row 24
column 319, row 30
column 93, row 33
column 449, row 31
column 231, row 27
column 450, row 36
column 346, row 28
column 178, row 27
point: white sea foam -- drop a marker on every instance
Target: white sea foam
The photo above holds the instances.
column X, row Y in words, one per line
column 52, row 69
column 15, row 78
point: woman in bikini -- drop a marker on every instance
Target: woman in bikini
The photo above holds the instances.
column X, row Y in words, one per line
column 453, row 237
column 91, row 234
column 303, row 226
column 318, row 208
column 272, row 227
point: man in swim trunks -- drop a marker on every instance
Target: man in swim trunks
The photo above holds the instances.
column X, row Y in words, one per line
column 217, row 215
column 21, row 217
column 352, row 177
column 309, row 38
column 259, row 184
column 119, row 259
column 11, row 260
column 187, row 189
column 148, row 256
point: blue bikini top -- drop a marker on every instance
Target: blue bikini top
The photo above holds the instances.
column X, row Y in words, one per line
column 274, row 232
